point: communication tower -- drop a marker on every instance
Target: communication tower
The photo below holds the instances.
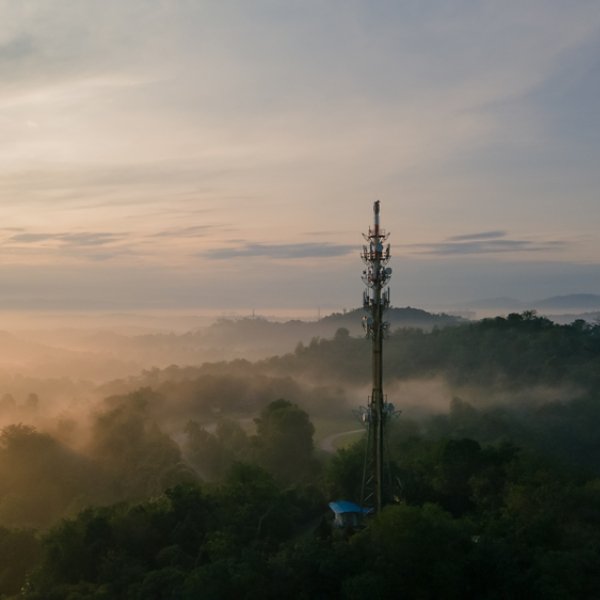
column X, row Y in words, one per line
column 376, row 483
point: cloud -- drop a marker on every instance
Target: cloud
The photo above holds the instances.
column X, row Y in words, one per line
column 484, row 235
column 486, row 242
column 180, row 232
column 78, row 179
column 322, row 233
column 91, row 239
column 16, row 49
column 75, row 239
column 28, row 238
column 280, row 251
column 391, row 103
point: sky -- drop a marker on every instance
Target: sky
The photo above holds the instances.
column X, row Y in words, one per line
column 179, row 154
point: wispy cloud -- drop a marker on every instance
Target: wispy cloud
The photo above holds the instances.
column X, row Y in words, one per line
column 328, row 233
column 76, row 239
column 484, row 235
column 58, row 247
column 486, row 242
column 187, row 232
column 280, row 251
column 16, row 49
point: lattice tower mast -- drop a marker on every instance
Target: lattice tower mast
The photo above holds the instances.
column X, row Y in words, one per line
column 376, row 299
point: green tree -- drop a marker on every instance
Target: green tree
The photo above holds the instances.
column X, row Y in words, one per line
column 414, row 552
column 344, row 472
column 212, row 454
column 127, row 442
column 40, row 479
column 19, row 552
column 284, row 441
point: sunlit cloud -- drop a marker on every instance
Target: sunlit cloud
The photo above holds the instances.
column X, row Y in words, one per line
column 185, row 232
column 477, row 236
column 488, row 242
column 280, row 251
column 76, row 239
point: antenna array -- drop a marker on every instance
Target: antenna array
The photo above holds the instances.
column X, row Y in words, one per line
column 376, row 299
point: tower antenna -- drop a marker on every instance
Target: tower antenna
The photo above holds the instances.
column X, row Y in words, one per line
column 376, row 299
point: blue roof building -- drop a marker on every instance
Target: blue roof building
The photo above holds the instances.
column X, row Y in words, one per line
column 348, row 514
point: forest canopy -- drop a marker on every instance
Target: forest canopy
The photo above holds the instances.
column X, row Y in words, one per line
column 211, row 479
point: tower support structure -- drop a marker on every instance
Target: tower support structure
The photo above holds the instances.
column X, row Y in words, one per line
column 376, row 299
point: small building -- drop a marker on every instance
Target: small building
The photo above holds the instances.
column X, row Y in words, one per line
column 348, row 514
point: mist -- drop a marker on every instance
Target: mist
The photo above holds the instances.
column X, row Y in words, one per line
column 109, row 421
column 125, row 407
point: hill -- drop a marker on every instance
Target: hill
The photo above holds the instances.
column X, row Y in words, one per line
column 407, row 317
column 569, row 302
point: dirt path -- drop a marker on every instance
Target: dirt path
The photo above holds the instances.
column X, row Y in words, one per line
column 328, row 444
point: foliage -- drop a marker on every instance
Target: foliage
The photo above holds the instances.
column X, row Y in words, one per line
column 284, row 441
column 212, row 454
column 514, row 351
column 41, row 479
column 496, row 501
column 19, row 552
column 183, row 541
column 138, row 458
column 527, row 530
column 344, row 472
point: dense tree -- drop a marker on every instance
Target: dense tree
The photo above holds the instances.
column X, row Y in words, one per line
column 19, row 552
column 344, row 472
column 284, row 441
column 514, row 351
column 212, row 454
column 519, row 527
column 136, row 455
column 186, row 543
column 40, row 479
column 414, row 552
column 496, row 501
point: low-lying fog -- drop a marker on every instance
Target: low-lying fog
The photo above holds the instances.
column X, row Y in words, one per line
column 137, row 401
column 55, row 367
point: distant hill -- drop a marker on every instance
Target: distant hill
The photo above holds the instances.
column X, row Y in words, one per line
column 259, row 337
column 97, row 355
column 569, row 301
column 567, row 318
column 496, row 303
column 397, row 317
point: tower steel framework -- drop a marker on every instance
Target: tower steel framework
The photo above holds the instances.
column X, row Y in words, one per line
column 376, row 299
